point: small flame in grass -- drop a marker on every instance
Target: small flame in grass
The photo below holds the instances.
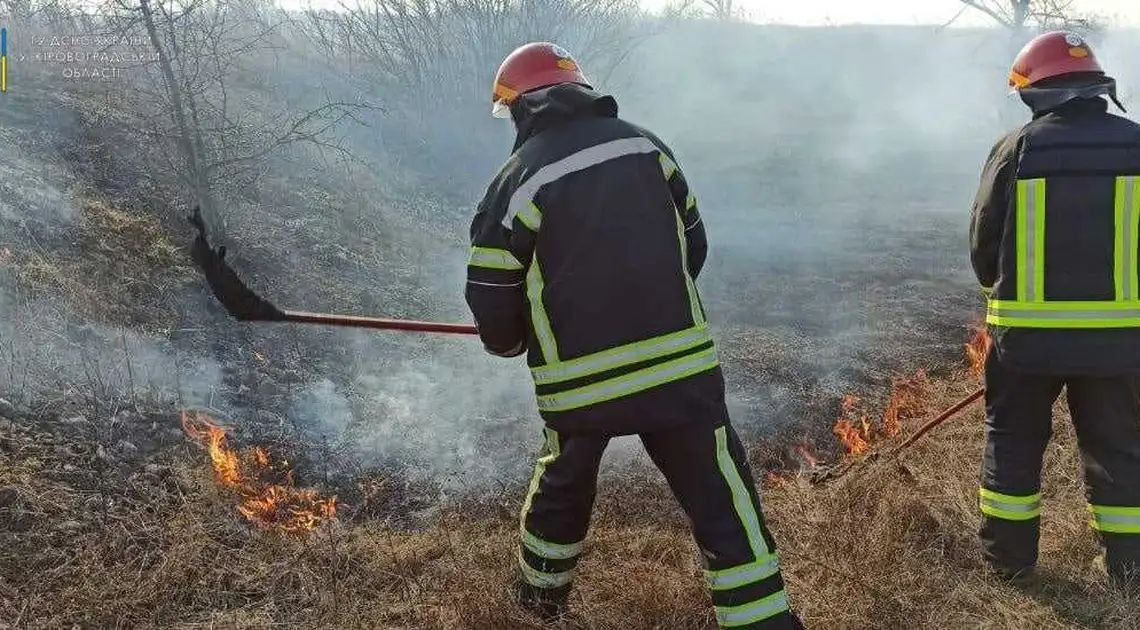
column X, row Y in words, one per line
column 908, row 399
column 266, row 503
column 977, row 348
column 853, row 434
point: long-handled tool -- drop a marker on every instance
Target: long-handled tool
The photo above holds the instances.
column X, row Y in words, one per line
column 243, row 304
column 841, row 468
column 940, row 418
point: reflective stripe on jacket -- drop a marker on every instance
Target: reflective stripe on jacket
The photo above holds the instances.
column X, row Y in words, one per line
column 586, row 247
column 1056, row 233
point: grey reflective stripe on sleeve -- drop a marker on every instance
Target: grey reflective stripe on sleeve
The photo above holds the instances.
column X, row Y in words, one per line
column 493, row 258
column 591, row 156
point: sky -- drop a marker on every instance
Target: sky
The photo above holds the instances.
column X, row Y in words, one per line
column 819, row 12
column 815, row 12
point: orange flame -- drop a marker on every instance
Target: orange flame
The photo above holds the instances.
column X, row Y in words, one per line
column 268, row 505
column 907, row 400
column 977, row 348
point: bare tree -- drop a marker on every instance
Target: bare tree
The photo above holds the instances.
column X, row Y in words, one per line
column 1018, row 15
column 424, row 43
column 723, row 10
column 186, row 101
column 433, row 60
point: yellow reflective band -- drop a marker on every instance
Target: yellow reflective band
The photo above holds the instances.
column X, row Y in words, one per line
column 743, row 575
column 552, row 448
column 690, row 202
column 1064, row 314
column 1125, row 250
column 750, row 613
column 1030, row 240
column 690, row 286
column 1030, row 309
column 631, row 383
column 492, row 258
column 541, row 579
column 1115, row 519
column 538, row 317
column 741, row 500
column 549, row 550
column 531, row 216
column 1009, row 507
column 621, row 356
column 668, row 166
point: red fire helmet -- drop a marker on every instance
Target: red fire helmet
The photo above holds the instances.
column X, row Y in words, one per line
column 1050, row 55
column 530, row 67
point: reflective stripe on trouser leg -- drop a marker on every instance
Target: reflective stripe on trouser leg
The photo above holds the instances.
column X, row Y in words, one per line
column 556, row 510
column 752, row 592
column 1118, row 527
column 1115, row 519
column 539, row 573
column 1019, row 425
column 1009, row 507
column 1104, row 412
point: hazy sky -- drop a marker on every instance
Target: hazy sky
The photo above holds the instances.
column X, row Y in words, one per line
column 901, row 11
column 868, row 11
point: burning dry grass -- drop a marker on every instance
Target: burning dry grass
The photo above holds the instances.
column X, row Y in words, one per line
column 908, row 556
column 889, row 545
column 120, row 267
column 267, row 496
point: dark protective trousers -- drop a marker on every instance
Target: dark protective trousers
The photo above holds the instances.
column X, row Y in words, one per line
column 1019, row 425
column 706, row 468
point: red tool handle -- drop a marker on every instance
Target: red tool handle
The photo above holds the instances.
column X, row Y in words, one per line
column 942, row 417
column 379, row 322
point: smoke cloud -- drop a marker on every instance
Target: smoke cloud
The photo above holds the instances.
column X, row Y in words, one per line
column 834, row 167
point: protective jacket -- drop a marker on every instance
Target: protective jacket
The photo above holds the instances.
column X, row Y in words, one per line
column 584, row 252
column 1054, row 242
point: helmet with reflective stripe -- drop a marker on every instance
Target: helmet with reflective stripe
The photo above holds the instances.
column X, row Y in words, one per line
column 1051, row 55
column 530, row 67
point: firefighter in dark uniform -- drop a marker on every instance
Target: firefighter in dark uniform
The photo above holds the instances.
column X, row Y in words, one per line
column 584, row 255
column 1054, row 238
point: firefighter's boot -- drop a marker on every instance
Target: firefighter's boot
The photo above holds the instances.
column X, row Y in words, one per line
column 549, row 604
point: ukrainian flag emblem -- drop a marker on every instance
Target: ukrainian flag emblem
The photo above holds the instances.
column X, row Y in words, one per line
column 3, row 59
